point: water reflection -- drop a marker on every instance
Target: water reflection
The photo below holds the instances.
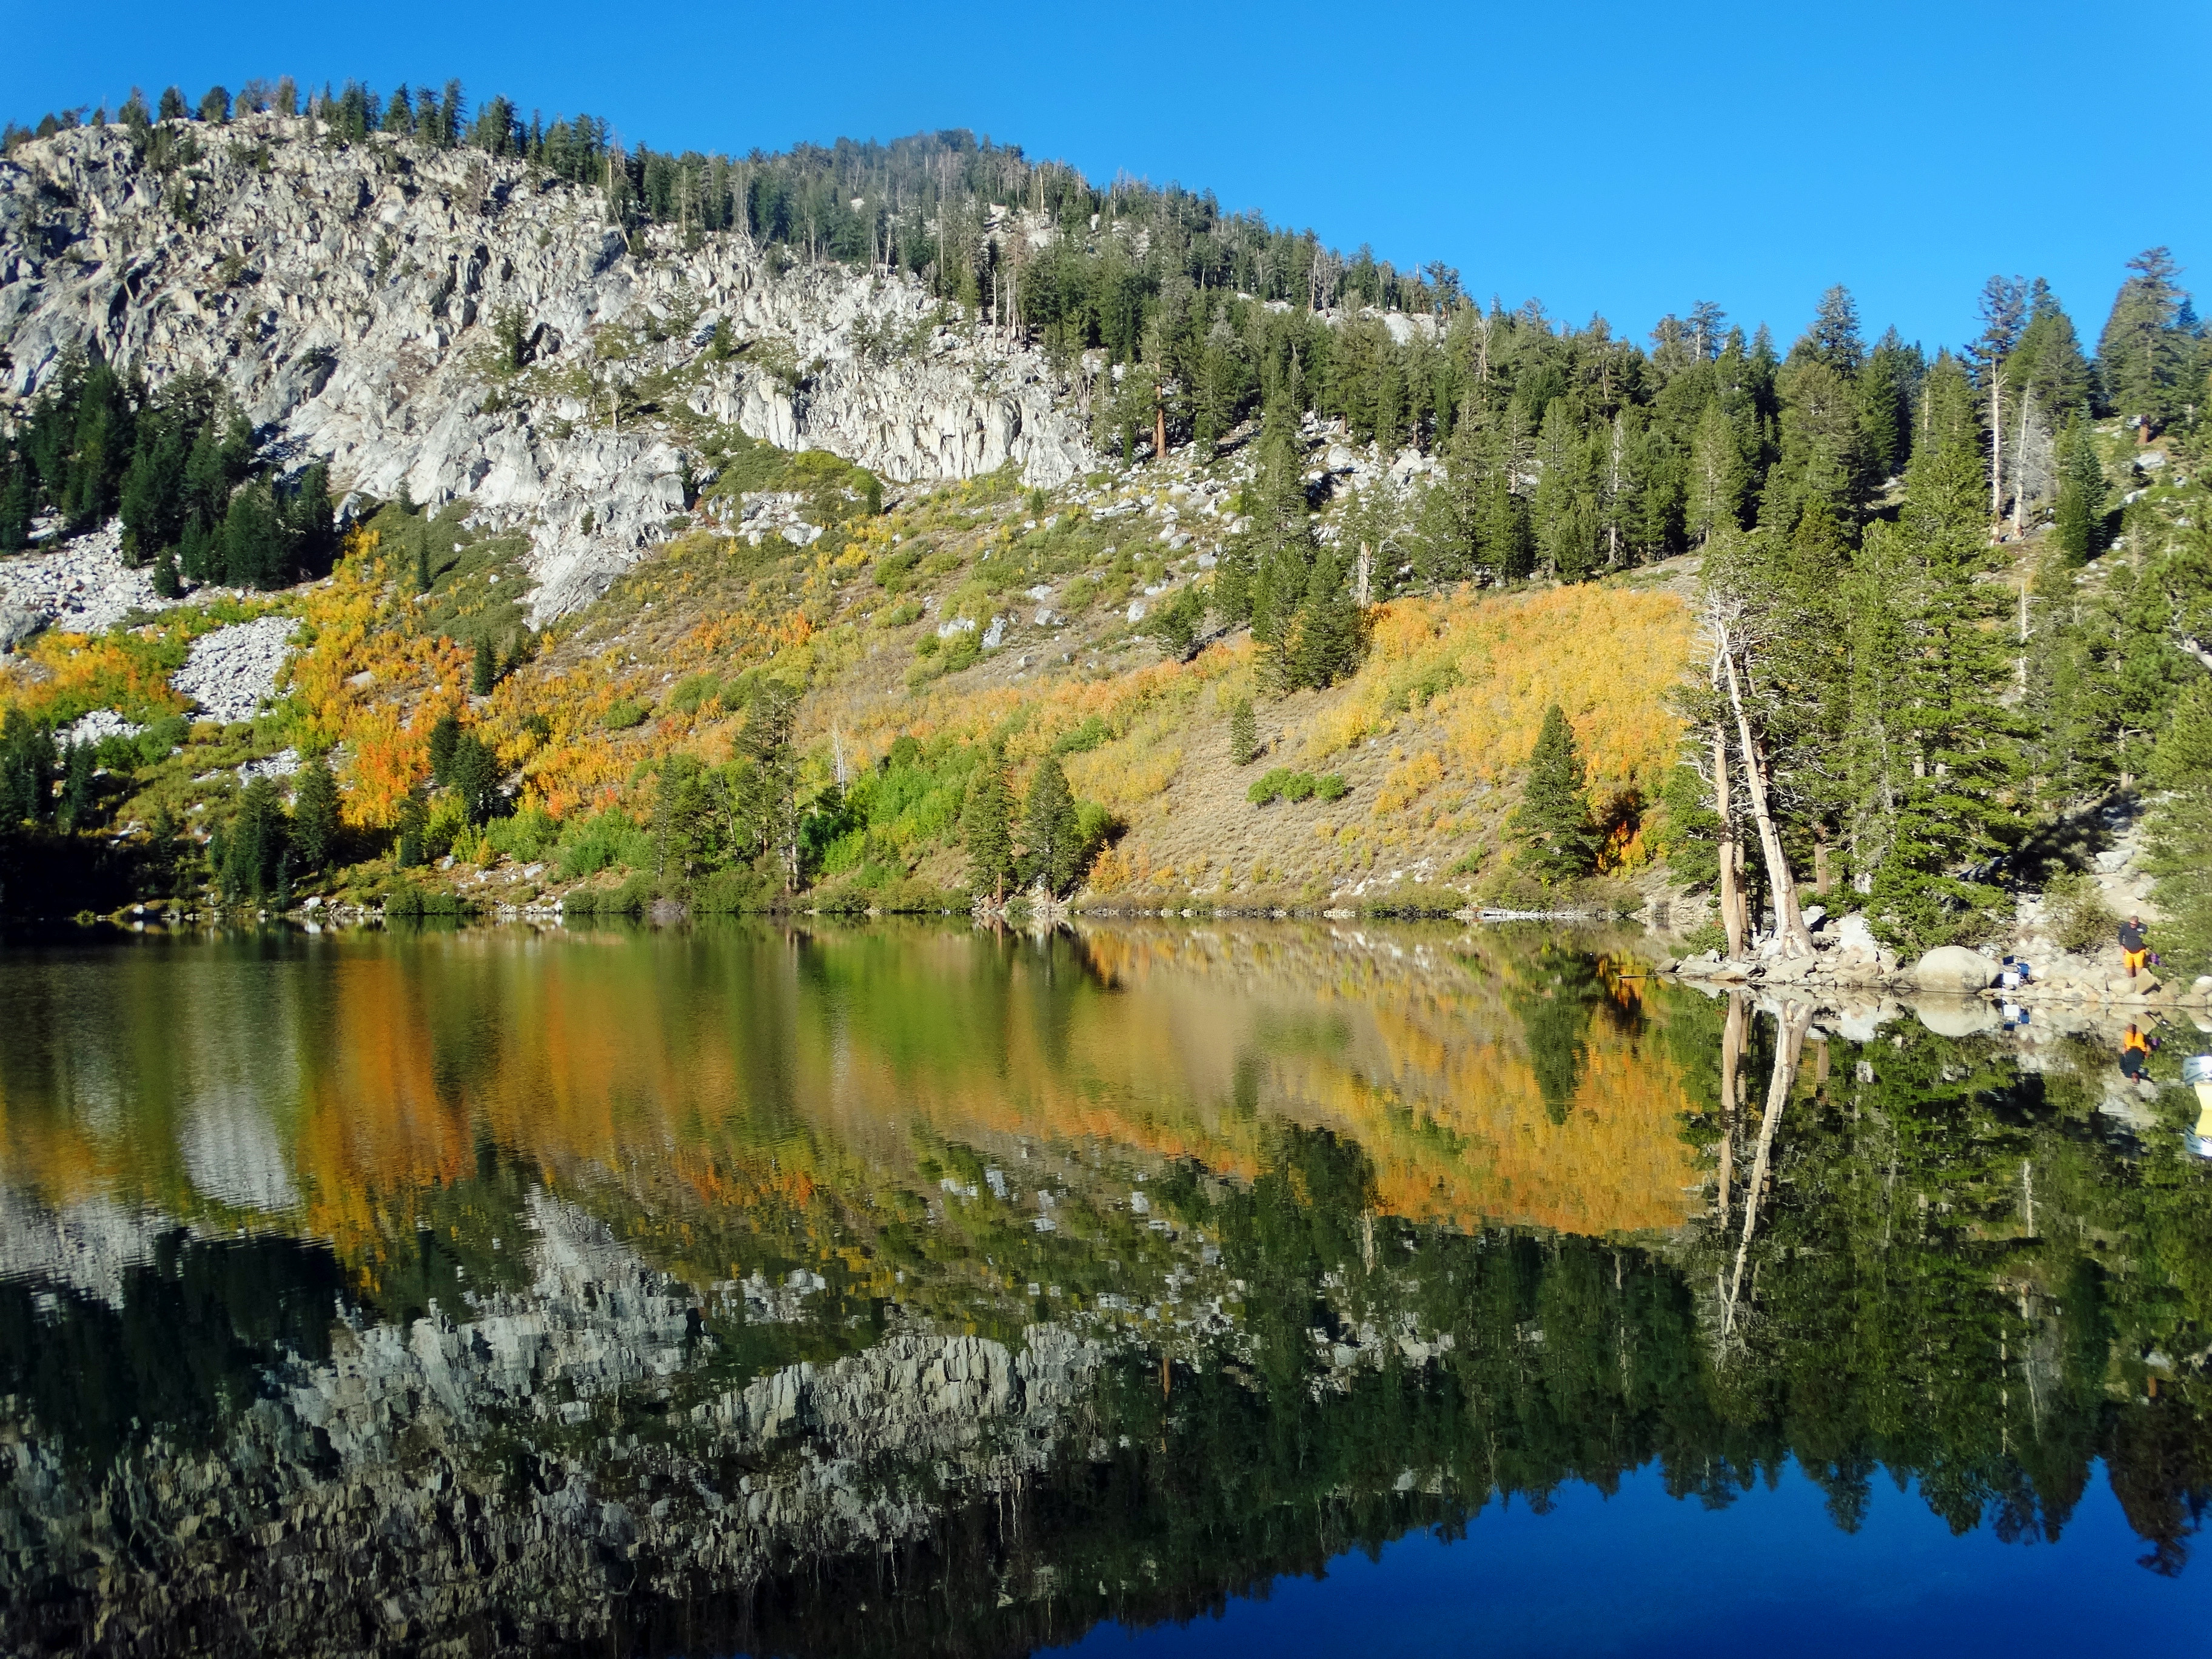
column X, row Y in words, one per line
column 909, row 1289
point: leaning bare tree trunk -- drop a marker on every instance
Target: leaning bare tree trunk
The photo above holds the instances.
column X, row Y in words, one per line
column 1731, row 893
column 1731, row 1058
column 1789, row 1042
column 1788, row 920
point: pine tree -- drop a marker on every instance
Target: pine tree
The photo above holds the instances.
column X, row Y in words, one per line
column 2145, row 351
column 2079, row 526
column 1509, row 541
column 1718, row 475
column 309, row 520
column 1559, row 841
column 1243, row 733
column 2181, row 830
column 251, row 862
column 1052, row 832
column 1322, row 645
column 485, row 671
column 15, row 493
column 1955, row 804
column 315, row 815
column 767, row 744
column 254, row 544
column 2048, row 365
column 473, row 773
column 1833, row 339
column 990, row 828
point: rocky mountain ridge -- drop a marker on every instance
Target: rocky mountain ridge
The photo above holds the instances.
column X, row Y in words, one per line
column 445, row 324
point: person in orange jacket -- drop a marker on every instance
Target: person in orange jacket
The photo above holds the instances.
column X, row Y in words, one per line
column 2134, row 946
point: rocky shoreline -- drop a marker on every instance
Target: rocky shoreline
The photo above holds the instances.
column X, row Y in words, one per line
column 2068, row 979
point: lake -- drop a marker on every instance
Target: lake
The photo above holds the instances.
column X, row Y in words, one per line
column 1163, row 1287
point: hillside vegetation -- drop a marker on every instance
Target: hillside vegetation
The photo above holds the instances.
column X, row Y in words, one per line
column 1844, row 617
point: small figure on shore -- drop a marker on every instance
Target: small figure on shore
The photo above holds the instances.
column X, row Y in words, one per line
column 2135, row 946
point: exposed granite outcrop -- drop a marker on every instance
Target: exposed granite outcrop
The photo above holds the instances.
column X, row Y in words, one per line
column 347, row 296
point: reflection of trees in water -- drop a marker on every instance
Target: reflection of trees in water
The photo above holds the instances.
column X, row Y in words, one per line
column 1557, row 994
column 1935, row 1266
column 1873, row 1333
column 189, row 1344
column 1885, row 1300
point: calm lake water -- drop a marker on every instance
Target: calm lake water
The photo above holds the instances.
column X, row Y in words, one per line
column 1166, row 1288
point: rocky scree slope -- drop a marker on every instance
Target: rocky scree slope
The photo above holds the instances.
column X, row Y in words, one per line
column 347, row 297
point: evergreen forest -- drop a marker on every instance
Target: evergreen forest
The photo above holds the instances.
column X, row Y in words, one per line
column 1956, row 596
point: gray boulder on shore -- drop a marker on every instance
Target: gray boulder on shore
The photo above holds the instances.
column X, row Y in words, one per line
column 1954, row 967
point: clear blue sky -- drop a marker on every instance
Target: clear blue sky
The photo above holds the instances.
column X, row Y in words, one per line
column 1620, row 159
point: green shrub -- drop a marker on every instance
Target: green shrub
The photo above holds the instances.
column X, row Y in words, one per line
column 729, row 892
column 404, row 898
column 2080, row 918
column 1707, row 935
column 692, row 693
column 607, row 839
column 1283, row 784
column 1175, row 624
column 529, row 834
column 623, row 716
column 629, row 899
column 1096, row 827
column 963, row 648
column 1085, row 737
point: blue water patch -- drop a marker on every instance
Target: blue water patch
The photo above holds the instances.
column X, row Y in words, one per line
column 1644, row 1573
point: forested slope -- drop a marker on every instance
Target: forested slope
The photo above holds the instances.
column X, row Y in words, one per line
column 871, row 524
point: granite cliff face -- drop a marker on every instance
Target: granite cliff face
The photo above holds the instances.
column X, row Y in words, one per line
column 352, row 299
column 461, row 1475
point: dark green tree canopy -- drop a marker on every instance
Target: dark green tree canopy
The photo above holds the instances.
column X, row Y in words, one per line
column 1558, row 840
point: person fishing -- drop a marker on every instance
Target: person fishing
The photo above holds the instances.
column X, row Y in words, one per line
column 2135, row 946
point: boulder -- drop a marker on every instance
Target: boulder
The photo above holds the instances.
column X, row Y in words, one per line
column 1957, row 1016
column 2200, row 989
column 1954, row 967
column 17, row 624
column 1854, row 937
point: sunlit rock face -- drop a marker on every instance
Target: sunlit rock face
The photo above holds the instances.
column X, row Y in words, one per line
column 350, row 298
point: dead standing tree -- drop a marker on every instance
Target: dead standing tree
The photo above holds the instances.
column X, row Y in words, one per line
column 1733, row 648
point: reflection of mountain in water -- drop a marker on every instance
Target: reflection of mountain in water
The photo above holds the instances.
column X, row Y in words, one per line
column 565, row 1443
column 908, row 1293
